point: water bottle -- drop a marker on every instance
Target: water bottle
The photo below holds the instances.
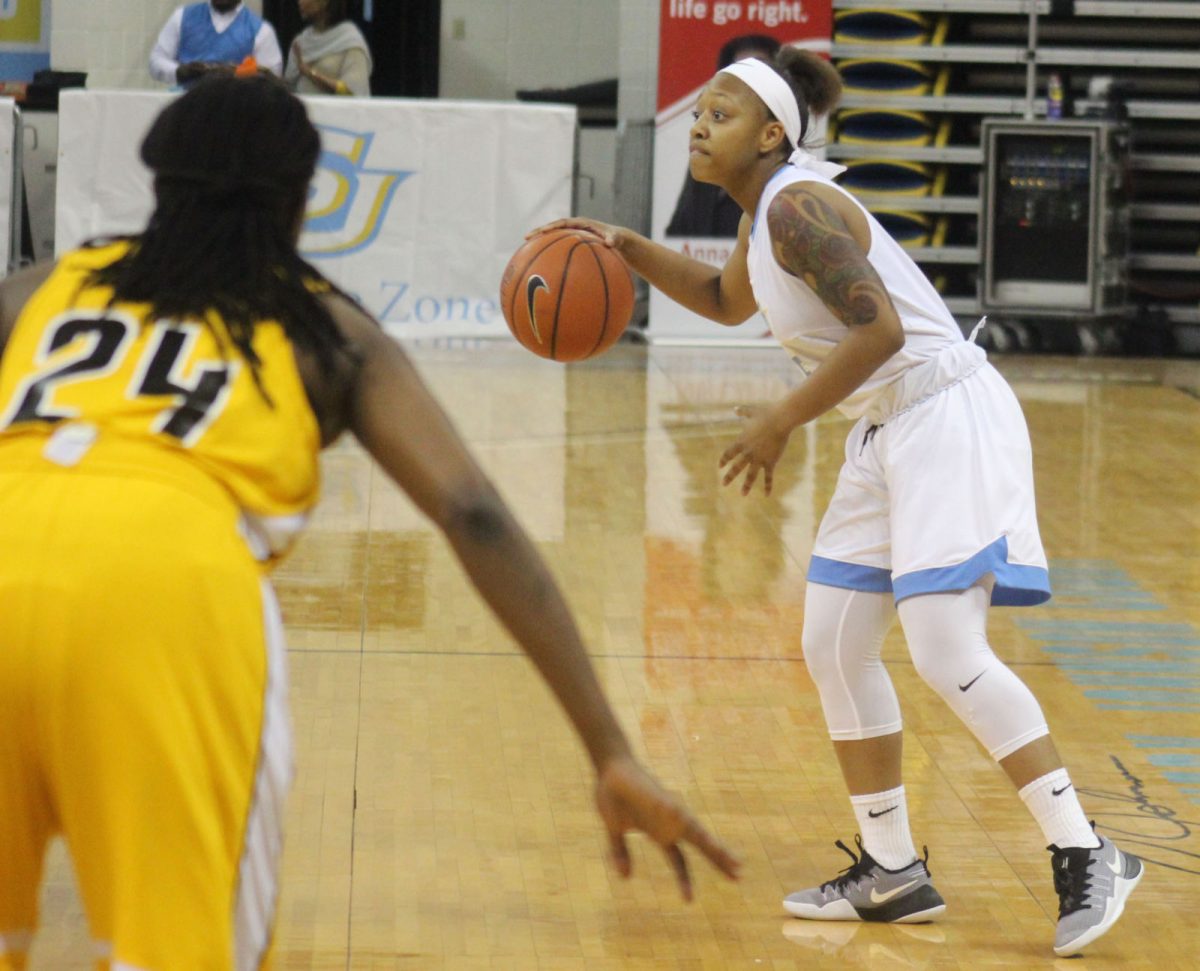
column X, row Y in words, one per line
column 1054, row 96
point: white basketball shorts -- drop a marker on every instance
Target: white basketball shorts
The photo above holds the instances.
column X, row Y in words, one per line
column 937, row 489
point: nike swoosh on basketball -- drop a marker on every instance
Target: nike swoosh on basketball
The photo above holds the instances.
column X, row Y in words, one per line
column 964, row 687
column 1059, row 792
column 879, row 898
column 532, row 286
column 882, row 812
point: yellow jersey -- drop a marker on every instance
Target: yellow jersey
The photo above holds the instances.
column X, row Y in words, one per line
column 76, row 371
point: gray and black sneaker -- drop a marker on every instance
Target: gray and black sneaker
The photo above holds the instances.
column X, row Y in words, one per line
column 1092, row 886
column 867, row 891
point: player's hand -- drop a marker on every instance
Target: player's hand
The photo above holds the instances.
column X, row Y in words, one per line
column 612, row 236
column 628, row 798
column 191, row 71
column 757, row 449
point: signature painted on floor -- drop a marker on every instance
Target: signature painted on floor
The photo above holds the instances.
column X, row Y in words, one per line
column 1134, row 820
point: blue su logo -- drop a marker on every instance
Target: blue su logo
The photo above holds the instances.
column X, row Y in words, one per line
column 348, row 201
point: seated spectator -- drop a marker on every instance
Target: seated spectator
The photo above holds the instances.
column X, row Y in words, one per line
column 214, row 36
column 330, row 56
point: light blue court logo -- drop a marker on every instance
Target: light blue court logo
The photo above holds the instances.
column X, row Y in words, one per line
column 348, row 201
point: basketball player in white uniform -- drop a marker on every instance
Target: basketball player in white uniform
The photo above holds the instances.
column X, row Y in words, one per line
column 933, row 516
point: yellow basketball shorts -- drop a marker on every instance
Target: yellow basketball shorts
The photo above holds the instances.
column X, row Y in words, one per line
column 142, row 712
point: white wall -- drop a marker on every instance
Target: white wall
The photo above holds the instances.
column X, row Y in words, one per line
column 489, row 48
column 109, row 39
column 638, row 59
column 492, row 48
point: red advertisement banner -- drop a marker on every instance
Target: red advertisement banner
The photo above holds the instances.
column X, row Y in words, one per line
column 693, row 35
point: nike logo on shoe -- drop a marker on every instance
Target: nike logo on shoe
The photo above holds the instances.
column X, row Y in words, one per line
column 1059, row 792
column 964, row 687
column 882, row 812
column 879, row 898
column 1115, row 865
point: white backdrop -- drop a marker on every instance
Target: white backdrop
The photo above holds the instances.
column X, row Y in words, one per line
column 416, row 206
column 7, row 161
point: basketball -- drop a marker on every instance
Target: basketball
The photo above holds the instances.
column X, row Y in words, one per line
column 566, row 296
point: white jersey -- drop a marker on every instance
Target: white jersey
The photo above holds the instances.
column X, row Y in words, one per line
column 807, row 330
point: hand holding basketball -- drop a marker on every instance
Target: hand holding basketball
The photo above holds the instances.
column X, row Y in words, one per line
column 566, row 295
column 611, row 236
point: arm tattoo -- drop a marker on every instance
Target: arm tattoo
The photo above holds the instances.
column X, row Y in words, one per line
column 812, row 241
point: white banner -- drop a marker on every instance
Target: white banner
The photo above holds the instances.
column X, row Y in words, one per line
column 8, row 198
column 416, row 206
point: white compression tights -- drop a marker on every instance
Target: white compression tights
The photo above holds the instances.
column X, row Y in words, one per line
column 947, row 638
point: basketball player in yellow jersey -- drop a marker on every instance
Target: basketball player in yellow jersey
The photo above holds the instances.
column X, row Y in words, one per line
column 163, row 400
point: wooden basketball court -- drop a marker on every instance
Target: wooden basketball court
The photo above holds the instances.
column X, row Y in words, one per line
column 442, row 817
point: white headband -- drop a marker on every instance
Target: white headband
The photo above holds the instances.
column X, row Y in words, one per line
column 777, row 95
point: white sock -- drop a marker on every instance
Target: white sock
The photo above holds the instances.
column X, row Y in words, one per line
column 1055, row 806
column 883, row 822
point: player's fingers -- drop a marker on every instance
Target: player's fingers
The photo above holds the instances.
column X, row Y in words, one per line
column 751, row 478
column 557, row 224
column 730, row 453
column 736, row 469
column 679, row 865
column 714, row 851
column 768, row 479
column 619, row 851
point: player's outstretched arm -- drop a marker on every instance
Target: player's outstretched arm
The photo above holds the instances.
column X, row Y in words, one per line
column 723, row 295
column 405, row 430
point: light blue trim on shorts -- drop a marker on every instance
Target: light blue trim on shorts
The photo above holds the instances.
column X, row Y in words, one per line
column 849, row 576
column 1016, row 585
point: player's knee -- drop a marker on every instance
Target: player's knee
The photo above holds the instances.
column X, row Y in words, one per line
column 952, row 670
column 819, row 644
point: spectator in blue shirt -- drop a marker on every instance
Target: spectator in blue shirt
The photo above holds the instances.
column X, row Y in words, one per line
column 213, row 36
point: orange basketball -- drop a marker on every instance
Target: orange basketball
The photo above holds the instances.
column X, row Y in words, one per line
column 566, row 296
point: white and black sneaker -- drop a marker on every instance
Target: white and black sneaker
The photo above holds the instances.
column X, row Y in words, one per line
column 867, row 891
column 1092, row 886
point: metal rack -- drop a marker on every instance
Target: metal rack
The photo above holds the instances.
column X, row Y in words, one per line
column 1018, row 42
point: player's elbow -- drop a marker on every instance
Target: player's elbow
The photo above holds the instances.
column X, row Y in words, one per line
column 887, row 335
column 478, row 517
column 731, row 318
column 894, row 338
column 730, row 313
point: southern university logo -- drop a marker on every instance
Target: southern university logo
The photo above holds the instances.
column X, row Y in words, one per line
column 347, row 201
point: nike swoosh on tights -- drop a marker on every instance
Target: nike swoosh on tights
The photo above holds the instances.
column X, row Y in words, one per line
column 879, row 898
column 964, row 687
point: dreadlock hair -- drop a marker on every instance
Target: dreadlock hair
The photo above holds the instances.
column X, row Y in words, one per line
column 232, row 159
